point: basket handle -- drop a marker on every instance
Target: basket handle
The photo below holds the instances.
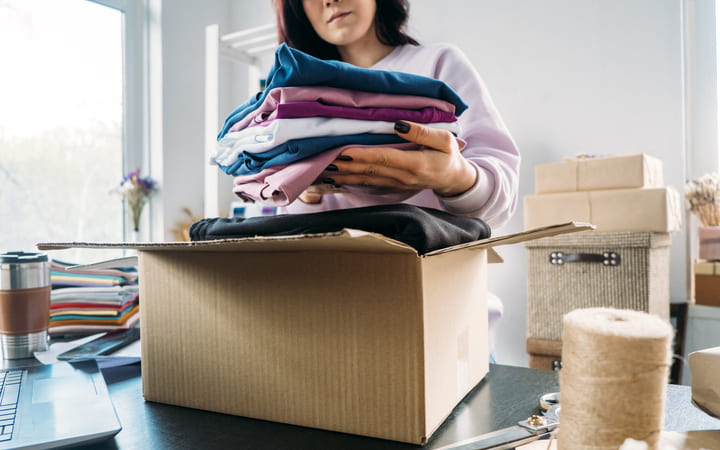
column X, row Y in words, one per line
column 605, row 258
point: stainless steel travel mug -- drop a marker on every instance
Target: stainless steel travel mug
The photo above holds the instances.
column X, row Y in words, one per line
column 24, row 303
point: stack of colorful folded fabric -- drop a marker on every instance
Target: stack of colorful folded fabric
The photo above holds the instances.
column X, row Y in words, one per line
column 278, row 142
column 92, row 301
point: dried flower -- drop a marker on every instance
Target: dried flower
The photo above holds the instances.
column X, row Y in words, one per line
column 702, row 197
column 136, row 191
column 182, row 228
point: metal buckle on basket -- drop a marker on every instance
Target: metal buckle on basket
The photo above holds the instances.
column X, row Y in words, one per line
column 611, row 259
column 606, row 258
column 556, row 258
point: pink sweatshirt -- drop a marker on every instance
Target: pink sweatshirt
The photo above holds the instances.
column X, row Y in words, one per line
column 490, row 147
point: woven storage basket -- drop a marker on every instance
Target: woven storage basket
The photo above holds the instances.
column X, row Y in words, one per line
column 543, row 354
column 626, row 270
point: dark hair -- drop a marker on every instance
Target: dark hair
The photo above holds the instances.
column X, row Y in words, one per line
column 294, row 27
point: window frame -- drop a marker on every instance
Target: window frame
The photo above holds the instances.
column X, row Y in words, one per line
column 135, row 99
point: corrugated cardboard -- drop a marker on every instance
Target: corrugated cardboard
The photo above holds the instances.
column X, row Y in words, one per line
column 655, row 210
column 348, row 331
column 706, row 286
column 599, row 173
column 706, row 289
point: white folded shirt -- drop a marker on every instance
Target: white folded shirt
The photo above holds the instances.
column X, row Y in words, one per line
column 260, row 138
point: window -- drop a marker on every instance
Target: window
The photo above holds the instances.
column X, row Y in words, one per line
column 61, row 124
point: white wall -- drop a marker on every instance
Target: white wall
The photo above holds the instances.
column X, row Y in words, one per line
column 183, row 78
column 569, row 76
column 183, row 59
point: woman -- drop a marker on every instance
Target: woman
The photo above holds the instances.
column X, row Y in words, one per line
column 479, row 181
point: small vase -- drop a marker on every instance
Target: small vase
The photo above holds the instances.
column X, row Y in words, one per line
column 709, row 243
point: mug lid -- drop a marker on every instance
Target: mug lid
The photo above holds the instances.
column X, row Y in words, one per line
column 20, row 257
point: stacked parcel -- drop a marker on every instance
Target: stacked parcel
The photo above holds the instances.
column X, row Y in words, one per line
column 624, row 263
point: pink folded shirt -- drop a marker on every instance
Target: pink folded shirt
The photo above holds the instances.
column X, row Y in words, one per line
column 281, row 185
column 338, row 97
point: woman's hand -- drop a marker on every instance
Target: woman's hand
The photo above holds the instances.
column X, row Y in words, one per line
column 313, row 194
column 437, row 165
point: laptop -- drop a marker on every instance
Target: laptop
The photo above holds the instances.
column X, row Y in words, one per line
column 54, row 405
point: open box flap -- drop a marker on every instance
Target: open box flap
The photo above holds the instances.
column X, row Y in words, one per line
column 345, row 240
column 528, row 235
column 493, row 257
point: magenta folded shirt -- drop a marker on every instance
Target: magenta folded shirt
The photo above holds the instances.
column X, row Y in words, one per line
column 297, row 110
column 338, row 97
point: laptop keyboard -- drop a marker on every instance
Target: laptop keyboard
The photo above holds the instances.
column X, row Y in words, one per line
column 9, row 394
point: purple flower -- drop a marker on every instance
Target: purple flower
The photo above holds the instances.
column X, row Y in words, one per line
column 134, row 174
column 136, row 190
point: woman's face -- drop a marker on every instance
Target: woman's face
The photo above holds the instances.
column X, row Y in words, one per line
column 342, row 22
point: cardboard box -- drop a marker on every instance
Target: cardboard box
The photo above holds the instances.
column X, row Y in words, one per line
column 657, row 210
column 599, row 173
column 708, row 243
column 349, row 331
column 707, row 283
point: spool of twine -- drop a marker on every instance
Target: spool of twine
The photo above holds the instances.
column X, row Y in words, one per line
column 613, row 379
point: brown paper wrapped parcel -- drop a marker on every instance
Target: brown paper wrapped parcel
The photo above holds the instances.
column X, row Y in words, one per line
column 598, row 173
column 653, row 209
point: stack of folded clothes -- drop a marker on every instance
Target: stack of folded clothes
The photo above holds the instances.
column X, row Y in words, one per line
column 92, row 301
column 278, row 142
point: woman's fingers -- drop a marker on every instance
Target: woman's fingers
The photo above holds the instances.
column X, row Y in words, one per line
column 314, row 193
column 435, row 138
column 384, row 167
column 437, row 164
column 384, row 161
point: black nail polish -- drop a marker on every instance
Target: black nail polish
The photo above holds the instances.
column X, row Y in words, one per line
column 332, row 168
column 328, row 181
column 345, row 158
column 402, row 126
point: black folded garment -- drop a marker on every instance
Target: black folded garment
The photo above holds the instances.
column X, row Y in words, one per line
column 424, row 229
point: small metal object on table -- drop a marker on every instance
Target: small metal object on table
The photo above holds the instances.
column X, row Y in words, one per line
column 535, row 427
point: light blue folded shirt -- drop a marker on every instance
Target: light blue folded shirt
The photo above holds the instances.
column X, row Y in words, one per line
column 295, row 68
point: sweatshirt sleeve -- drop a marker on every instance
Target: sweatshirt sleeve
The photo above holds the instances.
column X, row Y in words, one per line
column 490, row 148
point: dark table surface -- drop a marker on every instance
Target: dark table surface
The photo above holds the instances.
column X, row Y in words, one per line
column 506, row 395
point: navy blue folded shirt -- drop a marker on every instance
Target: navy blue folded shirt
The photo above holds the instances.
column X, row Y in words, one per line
column 424, row 229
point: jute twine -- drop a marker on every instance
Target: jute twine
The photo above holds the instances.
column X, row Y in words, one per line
column 613, row 378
